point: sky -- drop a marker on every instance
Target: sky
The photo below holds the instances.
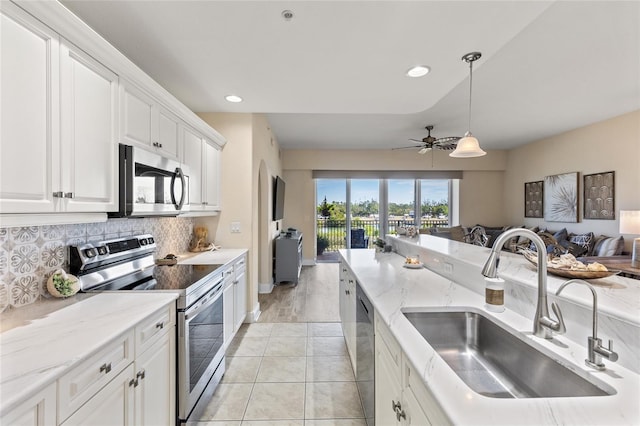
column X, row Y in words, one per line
column 400, row 191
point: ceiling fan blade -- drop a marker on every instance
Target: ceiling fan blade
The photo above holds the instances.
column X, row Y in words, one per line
column 417, row 140
column 407, row 147
column 424, row 150
column 447, row 139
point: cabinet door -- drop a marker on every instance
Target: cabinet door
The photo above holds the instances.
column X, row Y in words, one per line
column 89, row 149
column 137, row 116
column 155, row 383
column 168, row 134
column 39, row 410
column 413, row 413
column 343, row 297
column 350, row 320
column 240, row 295
column 211, row 176
column 228, row 302
column 113, row 405
column 387, row 388
column 29, row 113
column 193, row 160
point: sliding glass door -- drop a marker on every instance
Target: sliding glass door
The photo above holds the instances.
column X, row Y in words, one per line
column 364, row 209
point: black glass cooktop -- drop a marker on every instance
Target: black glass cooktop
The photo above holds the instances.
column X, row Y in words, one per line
column 179, row 277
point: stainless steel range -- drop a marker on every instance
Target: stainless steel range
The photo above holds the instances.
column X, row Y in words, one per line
column 128, row 264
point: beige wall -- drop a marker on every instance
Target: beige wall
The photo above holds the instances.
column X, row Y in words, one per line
column 608, row 145
column 251, row 147
column 481, row 189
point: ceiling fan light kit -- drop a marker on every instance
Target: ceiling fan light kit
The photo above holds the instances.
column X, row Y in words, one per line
column 469, row 146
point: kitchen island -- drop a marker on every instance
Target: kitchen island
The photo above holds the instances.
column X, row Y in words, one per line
column 393, row 289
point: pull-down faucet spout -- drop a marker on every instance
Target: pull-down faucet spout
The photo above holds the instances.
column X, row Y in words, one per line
column 543, row 324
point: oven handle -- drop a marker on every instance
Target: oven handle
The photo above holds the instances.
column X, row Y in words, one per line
column 178, row 173
column 204, row 302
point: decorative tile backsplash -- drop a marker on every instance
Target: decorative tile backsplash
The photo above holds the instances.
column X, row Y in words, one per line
column 29, row 255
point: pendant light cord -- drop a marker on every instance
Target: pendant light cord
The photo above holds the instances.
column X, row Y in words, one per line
column 470, row 92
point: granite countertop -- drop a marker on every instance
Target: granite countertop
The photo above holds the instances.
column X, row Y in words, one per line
column 393, row 288
column 38, row 353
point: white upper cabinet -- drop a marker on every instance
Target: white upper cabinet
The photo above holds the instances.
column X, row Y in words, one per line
column 89, row 99
column 59, row 118
column 146, row 123
column 29, row 113
column 202, row 161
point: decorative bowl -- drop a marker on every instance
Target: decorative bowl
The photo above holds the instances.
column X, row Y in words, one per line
column 571, row 273
column 65, row 285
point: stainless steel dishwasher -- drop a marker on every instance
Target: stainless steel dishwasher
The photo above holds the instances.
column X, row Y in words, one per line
column 365, row 355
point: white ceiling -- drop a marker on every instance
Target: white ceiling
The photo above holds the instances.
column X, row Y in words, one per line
column 334, row 75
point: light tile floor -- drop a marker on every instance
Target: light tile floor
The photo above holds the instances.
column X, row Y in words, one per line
column 283, row 374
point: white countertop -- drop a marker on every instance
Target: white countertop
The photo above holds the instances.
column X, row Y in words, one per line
column 392, row 288
column 39, row 352
column 216, row 257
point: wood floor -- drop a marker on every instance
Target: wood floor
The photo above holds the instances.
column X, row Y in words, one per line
column 314, row 299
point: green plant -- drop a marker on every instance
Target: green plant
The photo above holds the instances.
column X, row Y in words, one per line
column 322, row 243
column 63, row 285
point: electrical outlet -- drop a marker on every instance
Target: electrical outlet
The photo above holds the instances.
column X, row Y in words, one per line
column 448, row 268
column 235, row 227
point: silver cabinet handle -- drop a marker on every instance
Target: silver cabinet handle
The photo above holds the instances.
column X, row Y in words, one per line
column 157, row 144
column 106, row 368
column 140, row 375
column 160, row 325
column 68, row 195
column 133, row 382
column 58, row 194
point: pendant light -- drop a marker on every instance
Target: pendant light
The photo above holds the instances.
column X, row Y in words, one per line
column 468, row 146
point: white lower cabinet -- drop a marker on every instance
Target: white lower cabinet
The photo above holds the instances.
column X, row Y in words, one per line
column 401, row 397
column 234, row 298
column 347, row 300
column 154, row 388
column 112, row 405
column 39, row 410
column 113, row 387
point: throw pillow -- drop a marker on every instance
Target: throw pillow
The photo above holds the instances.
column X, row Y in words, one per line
column 458, row 233
column 609, row 246
column 584, row 240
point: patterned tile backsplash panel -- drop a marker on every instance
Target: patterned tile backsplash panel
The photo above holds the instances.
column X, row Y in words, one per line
column 29, row 255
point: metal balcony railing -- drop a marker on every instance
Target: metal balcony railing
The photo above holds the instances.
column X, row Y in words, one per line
column 334, row 232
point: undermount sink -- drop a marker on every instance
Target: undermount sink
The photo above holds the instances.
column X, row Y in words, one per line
column 494, row 362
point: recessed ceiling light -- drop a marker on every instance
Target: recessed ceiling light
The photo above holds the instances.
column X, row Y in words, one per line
column 418, row 71
column 233, row 98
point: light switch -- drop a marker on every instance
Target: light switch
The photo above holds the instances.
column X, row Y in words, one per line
column 448, row 268
column 235, row 227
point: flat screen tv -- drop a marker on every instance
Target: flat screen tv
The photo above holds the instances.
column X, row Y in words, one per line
column 278, row 198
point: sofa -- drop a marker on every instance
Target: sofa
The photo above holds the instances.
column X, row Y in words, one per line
column 583, row 245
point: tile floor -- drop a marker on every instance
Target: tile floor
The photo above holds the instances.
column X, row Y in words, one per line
column 284, row 374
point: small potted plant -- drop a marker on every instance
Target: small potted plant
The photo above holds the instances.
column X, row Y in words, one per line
column 322, row 243
column 61, row 284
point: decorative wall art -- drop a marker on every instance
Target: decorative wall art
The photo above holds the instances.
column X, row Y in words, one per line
column 533, row 193
column 561, row 198
column 599, row 196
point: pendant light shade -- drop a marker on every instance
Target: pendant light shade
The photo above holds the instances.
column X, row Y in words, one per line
column 469, row 146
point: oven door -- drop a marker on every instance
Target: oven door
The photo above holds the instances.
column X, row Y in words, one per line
column 200, row 348
column 151, row 185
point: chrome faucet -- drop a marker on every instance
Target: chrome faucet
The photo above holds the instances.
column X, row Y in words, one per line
column 543, row 324
column 595, row 350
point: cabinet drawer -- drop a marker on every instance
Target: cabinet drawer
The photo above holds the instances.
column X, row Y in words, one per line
column 150, row 330
column 82, row 382
column 383, row 336
column 423, row 396
column 240, row 266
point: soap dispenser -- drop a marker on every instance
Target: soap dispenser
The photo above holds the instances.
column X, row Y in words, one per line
column 494, row 294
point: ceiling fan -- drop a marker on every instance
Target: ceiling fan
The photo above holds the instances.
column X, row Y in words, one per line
column 428, row 143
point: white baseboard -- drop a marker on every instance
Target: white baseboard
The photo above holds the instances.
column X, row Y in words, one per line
column 254, row 314
column 265, row 288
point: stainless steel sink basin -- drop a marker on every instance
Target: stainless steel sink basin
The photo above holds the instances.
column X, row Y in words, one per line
column 494, row 362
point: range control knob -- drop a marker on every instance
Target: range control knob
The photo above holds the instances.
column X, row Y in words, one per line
column 143, row 241
column 90, row 253
column 102, row 250
column 151, row 240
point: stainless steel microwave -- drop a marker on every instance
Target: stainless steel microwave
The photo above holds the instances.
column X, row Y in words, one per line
column 150, row 185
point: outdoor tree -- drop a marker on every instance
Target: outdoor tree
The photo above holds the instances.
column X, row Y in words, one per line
column 325, row 209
